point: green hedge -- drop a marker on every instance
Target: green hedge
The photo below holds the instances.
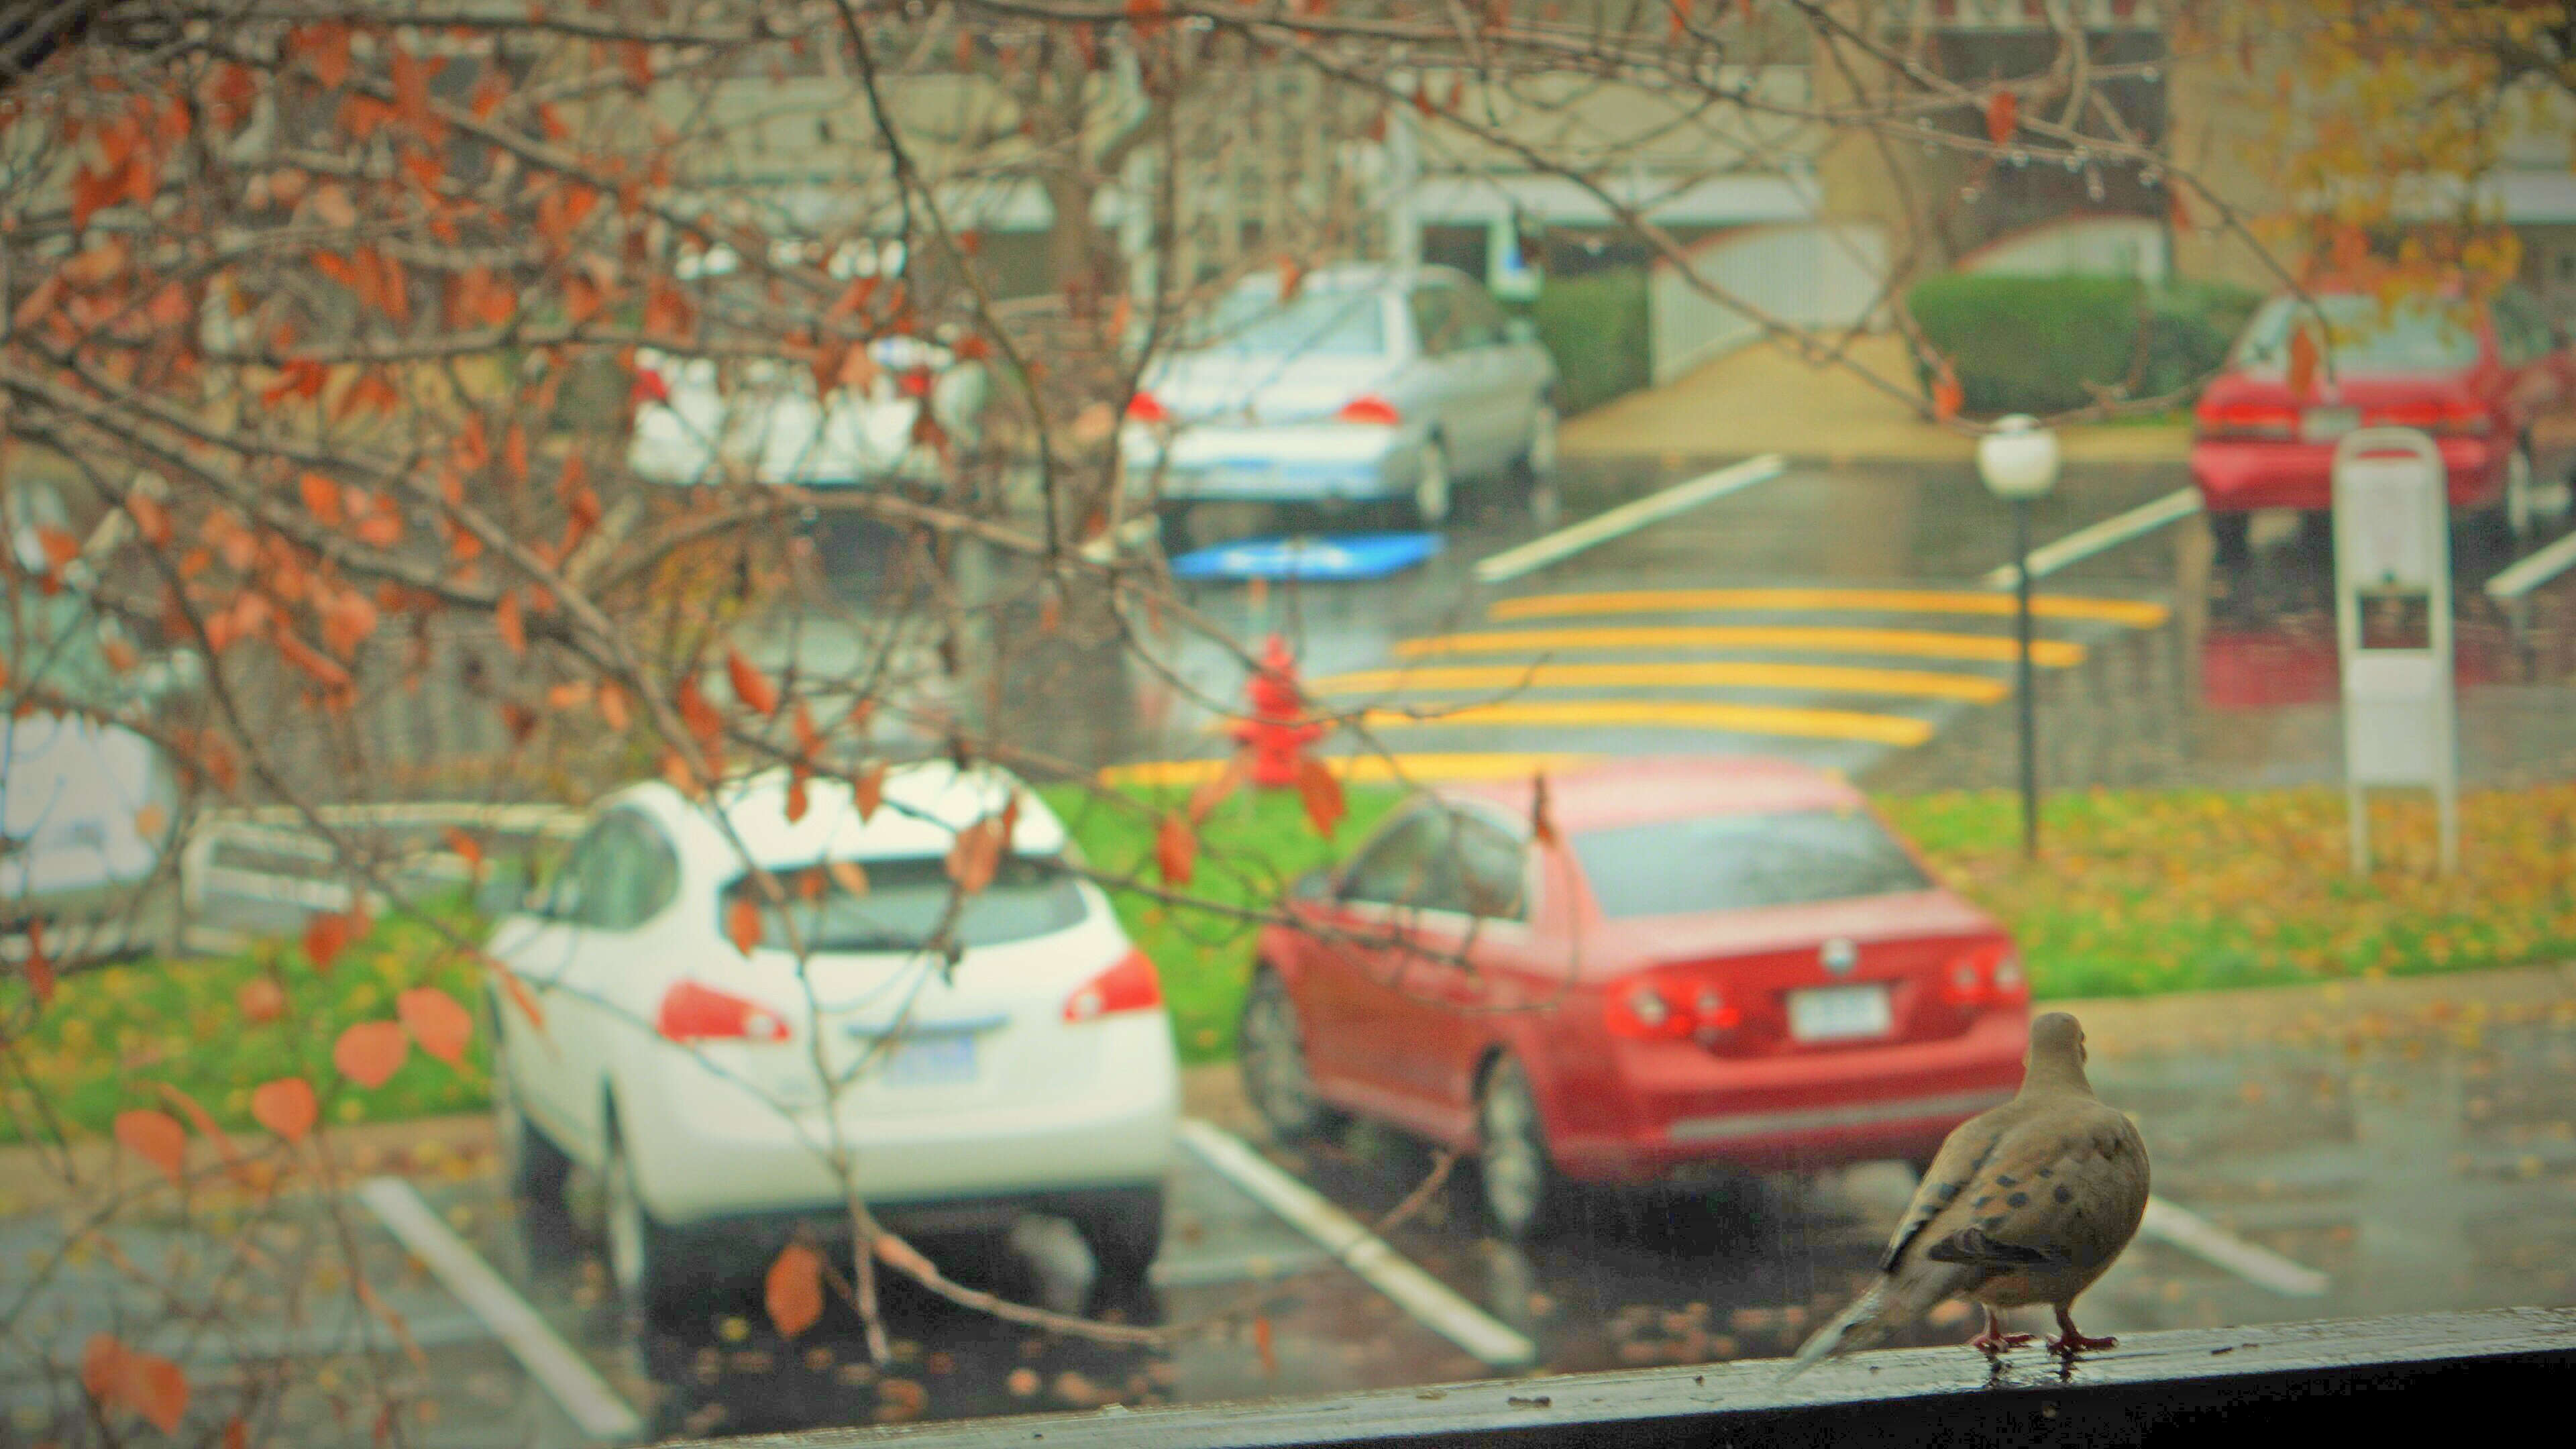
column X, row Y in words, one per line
column 2031, row 344
column 1595, row 327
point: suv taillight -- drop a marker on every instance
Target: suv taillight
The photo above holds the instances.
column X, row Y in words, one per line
column 1130, row 985
column 691, row 1012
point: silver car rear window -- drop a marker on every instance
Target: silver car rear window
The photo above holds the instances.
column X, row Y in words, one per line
column 907, row 898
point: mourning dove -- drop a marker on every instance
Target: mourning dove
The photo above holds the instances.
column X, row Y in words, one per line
column 2026, row 1203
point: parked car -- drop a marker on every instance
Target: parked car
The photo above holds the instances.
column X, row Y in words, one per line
column 1030, row 1068
column 1366, row 384
column 1727, row 963
column 2475, row 377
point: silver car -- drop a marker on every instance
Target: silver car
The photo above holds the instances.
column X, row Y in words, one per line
column 1367, row 384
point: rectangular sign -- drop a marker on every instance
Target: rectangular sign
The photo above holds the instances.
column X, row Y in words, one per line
column 2392, row 532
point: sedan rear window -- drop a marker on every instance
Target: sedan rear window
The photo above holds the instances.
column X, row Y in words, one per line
column 1739, row 862
column 1319, row 324
column 906, row 898
column 2416, row 336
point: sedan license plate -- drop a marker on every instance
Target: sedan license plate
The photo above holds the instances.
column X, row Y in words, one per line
column 1839, row 1013
column 931, row 1061
column 2324, row 425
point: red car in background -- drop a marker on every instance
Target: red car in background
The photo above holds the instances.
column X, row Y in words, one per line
column 1725, row 962
column 2474, row 376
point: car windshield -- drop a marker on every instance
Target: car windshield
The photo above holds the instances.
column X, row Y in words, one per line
column 902, row 901
column 1740, row 862
column 2410, row 337
column 1326, row 324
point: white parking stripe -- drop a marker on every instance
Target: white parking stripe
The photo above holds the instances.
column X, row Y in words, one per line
column 1363, row 1252
column 2200, row 1237
column 2534, row 571
column 1627, row 518
column 2110, row 533
column 587, row 1398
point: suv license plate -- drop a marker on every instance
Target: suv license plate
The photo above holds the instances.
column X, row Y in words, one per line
column 1839, row 1013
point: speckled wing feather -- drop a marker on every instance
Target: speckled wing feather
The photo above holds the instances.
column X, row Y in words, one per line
column 2055, row 1199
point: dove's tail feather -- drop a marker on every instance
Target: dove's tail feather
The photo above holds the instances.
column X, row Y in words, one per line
column 1893, row 1301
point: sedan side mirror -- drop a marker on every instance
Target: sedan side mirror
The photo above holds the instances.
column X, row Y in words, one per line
column 1520, row 329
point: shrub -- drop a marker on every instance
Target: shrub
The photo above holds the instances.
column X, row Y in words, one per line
column 2032, row 344
column 1595, row 327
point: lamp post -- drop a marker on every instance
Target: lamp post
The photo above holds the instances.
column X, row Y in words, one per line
column 2018, row 461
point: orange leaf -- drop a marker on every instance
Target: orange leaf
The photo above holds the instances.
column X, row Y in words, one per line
column 1261, row 1336
column 699, row 715
column 465, row 845
column 809, row 741
column 60, row 548
column 156, row 1137
column 151, row 520
column 103, row 1368
column 328, row 934
column 1542, row 820
column 321, row 498
column 974, row 856
column 742, row 923
column 868, row 791
column 1947, row 394
column 612, row 707
column 261, row 999
column 285, row 1107
column 514, row 452
column 325, row 47
column 1322, row 794
column 40, row 970
column 749, row 685
column 849, row 875
column 796, row 795
column 370, row 1052
column 1176, row 850
column 517, row 991
column 156, row 1388
column 437, row 1021
column 510, row 618
column 793, row 1290
column 2303, row 361
column 1214, row 790
column 2003, row 116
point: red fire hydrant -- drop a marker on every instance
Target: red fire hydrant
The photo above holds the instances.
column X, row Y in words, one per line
column 1277, row 733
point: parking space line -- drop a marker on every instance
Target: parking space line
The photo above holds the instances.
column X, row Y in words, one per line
column 1896, row 643
column 2260, row 1266
column 1426, row 1298
column 1748, row 719
column 2110, row 533
column 585, row 1397
column 1625, row 519
column 2133, row 613
column 1720, row 674
column 2531, row 573
column 1428, row 767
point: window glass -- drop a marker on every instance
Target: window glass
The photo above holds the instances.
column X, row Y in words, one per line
column 1742, row 862
column 565, row 896
column 1480, row 322
column 1435, row 319
column 2418, row 336
column 2522, row 331
column 906, row 898
column 1491, row 867
column 1410, row 865
column 1325, row 323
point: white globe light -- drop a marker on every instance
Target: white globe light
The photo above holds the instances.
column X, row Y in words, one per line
column 2018, row 459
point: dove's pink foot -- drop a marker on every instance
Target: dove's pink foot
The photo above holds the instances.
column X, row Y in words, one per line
column 2073, row 1342
column 1994, row 1340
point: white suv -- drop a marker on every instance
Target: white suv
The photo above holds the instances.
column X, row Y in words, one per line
column 1029, row 1067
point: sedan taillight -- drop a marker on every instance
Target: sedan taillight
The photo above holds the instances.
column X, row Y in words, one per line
column 2454, row 417
column 1144, row 407
column 1130, row 985
column 691, row 1012
column 1988, row 976
column 1372, row 410
column 1653, row 1007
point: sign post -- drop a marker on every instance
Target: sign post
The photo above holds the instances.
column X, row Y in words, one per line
column 2392, row 533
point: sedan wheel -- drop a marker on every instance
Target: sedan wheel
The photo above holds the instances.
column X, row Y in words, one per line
column 1271, row 1046
column 1523, row 1194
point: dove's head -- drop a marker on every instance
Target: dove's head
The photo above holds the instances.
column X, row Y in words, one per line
column 2056, row 1051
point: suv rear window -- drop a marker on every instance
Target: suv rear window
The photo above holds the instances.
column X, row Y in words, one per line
column 1741, row 862
column 907, row 898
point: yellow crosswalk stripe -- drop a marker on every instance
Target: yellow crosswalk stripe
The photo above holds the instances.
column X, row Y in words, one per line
column 1750, row 719
column 1705, row 674
column 2134, row 613
column 1428, row 767
column 1899, row 643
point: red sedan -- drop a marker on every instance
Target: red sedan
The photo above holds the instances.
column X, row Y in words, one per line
column 2473, row 377
column 1721, row 962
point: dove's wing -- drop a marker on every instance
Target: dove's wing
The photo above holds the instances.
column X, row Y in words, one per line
column 2061, row 1192
column 1954, row 1170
